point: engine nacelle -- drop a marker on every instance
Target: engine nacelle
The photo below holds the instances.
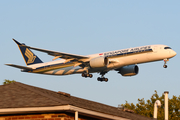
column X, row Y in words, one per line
column 129, row 70
column 99, row 62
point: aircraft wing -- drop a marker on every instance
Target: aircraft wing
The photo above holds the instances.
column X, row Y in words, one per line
column 55, row 53
column 20, row 67
column 58, row 54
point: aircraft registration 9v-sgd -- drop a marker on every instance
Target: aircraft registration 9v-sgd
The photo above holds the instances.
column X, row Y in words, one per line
column 123, row 61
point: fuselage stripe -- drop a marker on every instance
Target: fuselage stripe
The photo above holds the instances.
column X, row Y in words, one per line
column 130, row 53
column 68, row 64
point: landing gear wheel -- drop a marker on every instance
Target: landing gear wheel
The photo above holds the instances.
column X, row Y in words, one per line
column 87, row 75
column 90, row 75
column 102, row 79
column 165, row 66
column 105, row 79
column 83, row 75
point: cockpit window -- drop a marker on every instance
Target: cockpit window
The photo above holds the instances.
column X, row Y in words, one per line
column 167, row 48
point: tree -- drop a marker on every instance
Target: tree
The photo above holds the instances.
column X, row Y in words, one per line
column 147, row 108
column 8, row 81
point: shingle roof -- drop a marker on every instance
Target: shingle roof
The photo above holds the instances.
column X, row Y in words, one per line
column 19, row 95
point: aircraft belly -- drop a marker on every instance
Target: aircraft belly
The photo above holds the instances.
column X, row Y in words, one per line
column 93, row 70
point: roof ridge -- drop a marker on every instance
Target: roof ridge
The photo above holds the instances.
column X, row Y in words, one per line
column 34, row 89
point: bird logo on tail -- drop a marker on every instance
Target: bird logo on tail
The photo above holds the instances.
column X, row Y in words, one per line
column 30, row 56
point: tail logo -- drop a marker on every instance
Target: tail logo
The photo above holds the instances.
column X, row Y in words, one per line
column 30, row 56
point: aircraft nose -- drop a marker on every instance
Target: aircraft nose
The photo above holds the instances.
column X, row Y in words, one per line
column 173, row 53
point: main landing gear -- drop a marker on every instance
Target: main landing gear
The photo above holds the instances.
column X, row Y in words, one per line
column 165, row 61
column 87, row 75
column 102, row 78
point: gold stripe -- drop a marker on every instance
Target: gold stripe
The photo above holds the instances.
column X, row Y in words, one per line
column 41, row 70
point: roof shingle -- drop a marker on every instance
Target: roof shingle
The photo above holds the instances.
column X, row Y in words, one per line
column 19, row 95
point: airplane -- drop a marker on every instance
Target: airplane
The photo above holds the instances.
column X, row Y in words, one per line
column 123, row 61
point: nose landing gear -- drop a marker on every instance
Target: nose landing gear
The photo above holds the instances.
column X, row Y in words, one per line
column 165, row 61
column 165, row 66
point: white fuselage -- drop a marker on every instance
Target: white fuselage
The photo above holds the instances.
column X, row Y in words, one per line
column 117, row 59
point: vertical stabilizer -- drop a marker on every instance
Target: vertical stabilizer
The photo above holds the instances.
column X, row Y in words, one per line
column 29, row 57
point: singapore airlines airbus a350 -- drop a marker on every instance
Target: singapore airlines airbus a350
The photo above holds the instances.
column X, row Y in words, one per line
column 123, row 61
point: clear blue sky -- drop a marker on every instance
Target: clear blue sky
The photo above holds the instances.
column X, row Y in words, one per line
column 87, row 27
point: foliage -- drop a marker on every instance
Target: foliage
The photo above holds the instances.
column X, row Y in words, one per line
column 8, row 81
column 147, row 108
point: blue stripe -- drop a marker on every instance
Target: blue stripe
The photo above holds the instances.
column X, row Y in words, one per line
column 128, row 53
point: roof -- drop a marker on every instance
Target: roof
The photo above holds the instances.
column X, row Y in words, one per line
column 19, row 95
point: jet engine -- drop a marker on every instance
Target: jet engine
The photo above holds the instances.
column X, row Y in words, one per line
column 129, row 70
column 99, row 62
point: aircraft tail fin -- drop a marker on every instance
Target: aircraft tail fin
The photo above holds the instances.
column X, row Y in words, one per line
column 29, row 57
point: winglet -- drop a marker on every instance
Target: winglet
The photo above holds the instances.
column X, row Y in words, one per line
column 16, row 42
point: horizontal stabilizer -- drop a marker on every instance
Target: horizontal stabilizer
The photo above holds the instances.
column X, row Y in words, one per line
column 20, row 67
